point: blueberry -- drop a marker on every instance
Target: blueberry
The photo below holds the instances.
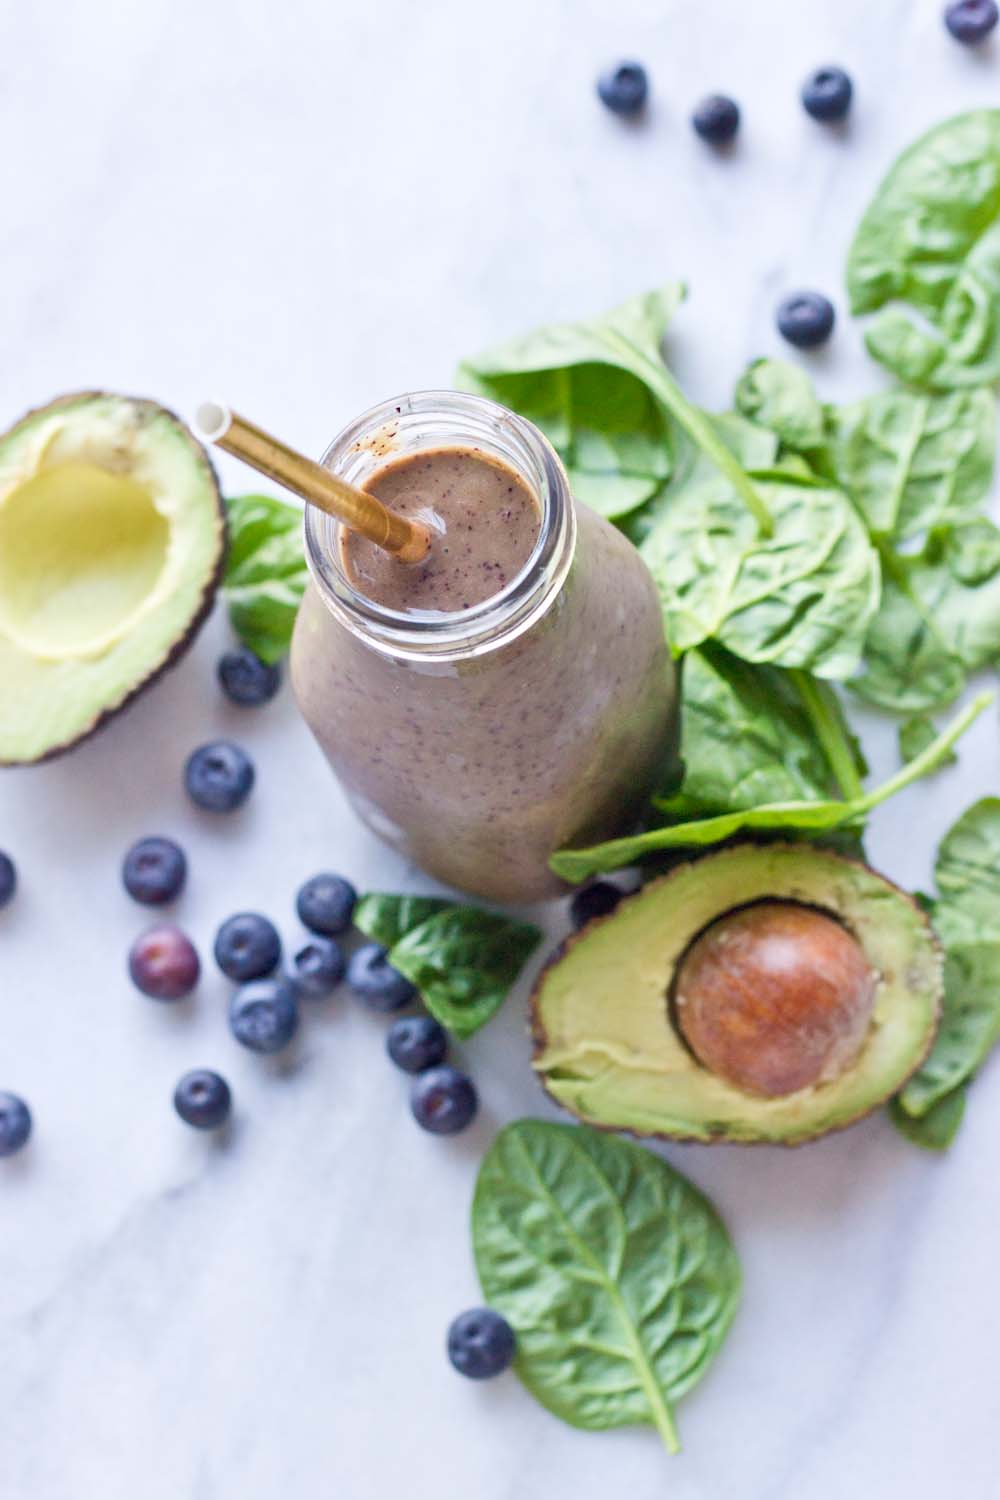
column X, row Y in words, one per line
column 443, row 1100
column 717, row 119
column 8, row 879
column 318, row 967
column 247, row 946
column 163, row 963
column 598, row 899
column 154, row 871
column 623, row 89
column 219, row 777
column 326, row 903
column 15, row 1124
column 264, row 1015
column 971, row 21
column 827, row 94
column 247, row 680
column 480, row 1343
column 202, row 1099
column 375, row 981
column 417, row 1043
column 805, row 319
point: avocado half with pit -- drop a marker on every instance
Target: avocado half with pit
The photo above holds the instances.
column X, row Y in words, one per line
column 112, row 541
column 760, row 994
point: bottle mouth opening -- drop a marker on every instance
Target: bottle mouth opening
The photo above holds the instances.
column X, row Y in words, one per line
column 445, row 419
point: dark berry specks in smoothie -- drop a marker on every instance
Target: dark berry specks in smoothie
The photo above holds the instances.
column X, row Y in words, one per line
column 484, row 520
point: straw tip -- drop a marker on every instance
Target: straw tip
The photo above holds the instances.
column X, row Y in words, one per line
column 211, row 421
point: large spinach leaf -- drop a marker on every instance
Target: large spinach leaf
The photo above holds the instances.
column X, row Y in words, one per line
column 967, row 919
column 912, row 462
column 462, row 959
column 802, row 597
column 930, row 238
column 617, row 1276
column 935, row 1130
column 938, row 620
column 814, row 817
column 266, row 572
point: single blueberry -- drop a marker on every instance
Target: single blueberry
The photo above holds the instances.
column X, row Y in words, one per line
column 326, row 903
column 247, row 946
column 598, row 899
column 827, row 94
column 318, row 967
column 8, row 879
column 202, row 1099
column 375, row 981
column 247, row 680
column 624, row 88
column 805, row 319
column 154, row 871
column 15, row 1124
column 971, row 21
column 163, row 963
column 717, row 119
column 219, row 777
column 481, row 1343
column 264, row 1015
column 416, row 1043
column 443, row 1100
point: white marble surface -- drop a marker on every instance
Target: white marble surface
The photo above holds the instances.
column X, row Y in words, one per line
column 302, row 208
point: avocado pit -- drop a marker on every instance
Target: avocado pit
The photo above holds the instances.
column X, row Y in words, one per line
column 775, row 997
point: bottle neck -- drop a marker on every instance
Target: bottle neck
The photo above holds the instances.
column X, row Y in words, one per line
column 440, row 419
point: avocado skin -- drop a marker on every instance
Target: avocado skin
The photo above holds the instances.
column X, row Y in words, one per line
column 720, row 1133
column 186, row 639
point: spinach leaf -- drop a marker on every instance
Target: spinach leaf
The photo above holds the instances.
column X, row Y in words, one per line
column 625, row 340
column 745, row 738
column 967, row 919
column 386, row 919
column 266, row 572
column 810, row 817
column 930, row 238
column 912, row 462
column 936, row 1129
column 462, row 959
column 915, row 735
column 802, row 597
column 939, row 619
column 616, row 1274
column 780, row 397
column 611, row 432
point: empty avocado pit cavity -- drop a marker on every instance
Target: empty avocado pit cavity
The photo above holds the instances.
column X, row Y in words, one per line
column 81, row 549
column 775, row 997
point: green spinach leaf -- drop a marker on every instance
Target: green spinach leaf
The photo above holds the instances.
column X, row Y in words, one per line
column 811, row 817
column 617, row 1276
column 911, row 462
column 915, row 735
column 936, row 1129
column 462, row 959
column 266, row 572
column 938, row 620
column 780, row 397
column 802, row 597
column 930, row 239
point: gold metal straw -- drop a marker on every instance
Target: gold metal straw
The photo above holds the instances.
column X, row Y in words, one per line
column 359, row 511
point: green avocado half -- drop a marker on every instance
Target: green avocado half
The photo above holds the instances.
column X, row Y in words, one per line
column 607, row 1044
column 112, row 542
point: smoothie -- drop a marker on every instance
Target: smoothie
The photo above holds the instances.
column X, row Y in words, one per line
column 521, row 696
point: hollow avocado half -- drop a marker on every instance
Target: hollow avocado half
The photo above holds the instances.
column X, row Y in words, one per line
column 607, row 1044
column 112, row 542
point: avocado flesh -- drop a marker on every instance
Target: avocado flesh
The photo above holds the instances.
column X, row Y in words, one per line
column 606, row 1045
column 112, row 537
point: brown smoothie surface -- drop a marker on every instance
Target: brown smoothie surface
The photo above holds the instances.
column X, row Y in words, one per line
column 484, row 523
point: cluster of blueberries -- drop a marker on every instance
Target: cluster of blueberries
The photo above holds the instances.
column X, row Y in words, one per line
column 805, row 319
